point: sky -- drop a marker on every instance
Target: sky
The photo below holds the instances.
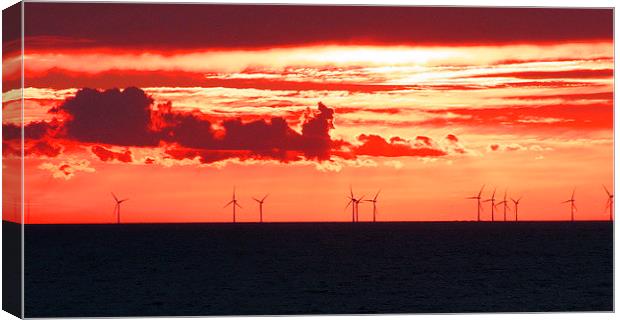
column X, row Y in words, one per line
column 173, row 106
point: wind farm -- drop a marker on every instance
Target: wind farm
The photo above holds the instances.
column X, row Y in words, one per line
column 510, row 213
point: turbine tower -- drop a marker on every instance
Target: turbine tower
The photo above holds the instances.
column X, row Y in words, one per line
column 352, row 202
column 610, row 203
column 492, row 199
column 260, row 205
column 505, row 203
column 357, row 208
column 374, row 206
column 235, row 204
column 516, row 203
column 117, row 207
column 572, row 206
column 479, row 198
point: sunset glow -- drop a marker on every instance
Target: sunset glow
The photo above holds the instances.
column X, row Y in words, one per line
column 174, row 126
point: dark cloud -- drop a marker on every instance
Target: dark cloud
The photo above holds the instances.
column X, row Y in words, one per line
column 243, row 26
column 128, row 118
column 111, row 117
column 108, row 155
column 43, row 148
column 315, row 133
column 273, row 139
column 32, row 131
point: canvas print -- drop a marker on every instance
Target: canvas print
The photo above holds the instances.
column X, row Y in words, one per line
column 212, row 159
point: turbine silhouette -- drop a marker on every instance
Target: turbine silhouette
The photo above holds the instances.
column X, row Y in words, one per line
column 260, row 205
column 374, row 206
column 478, row 197
column 357, row 208
column 235, row 204
column 610, row 203
column 516, row 203
column 353, row 202
column 492, row 199
column 117, row 207
column 505, row 203
column 573, row 208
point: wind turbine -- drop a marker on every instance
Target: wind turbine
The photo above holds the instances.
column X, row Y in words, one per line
column 374, row 206
column 505, row 203
column 357, row 208
column 610, row 203
column 260, row 205
column 478, row 197
column 516, row 203
column 492, row 199
column 572, row 206
column 234, row 207
column 353, row 203
column 117, row 207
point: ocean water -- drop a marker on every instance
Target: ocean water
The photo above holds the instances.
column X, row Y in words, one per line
column 317, row 268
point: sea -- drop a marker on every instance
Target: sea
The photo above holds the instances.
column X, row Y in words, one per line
column 317, row 268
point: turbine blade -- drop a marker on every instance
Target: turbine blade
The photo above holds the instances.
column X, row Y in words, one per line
column 573, row 196
column 608, row 194
column 256, row 200
column 113, row 195
column 480, row 193
column 238, row 205
column 360, row 199
column 231, row 201
column 348, row 204
column 377, row 195
column 265, row 197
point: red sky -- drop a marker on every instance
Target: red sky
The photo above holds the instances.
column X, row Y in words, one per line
column 173, row 105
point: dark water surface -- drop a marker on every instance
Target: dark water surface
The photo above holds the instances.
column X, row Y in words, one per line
column 311, row 268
